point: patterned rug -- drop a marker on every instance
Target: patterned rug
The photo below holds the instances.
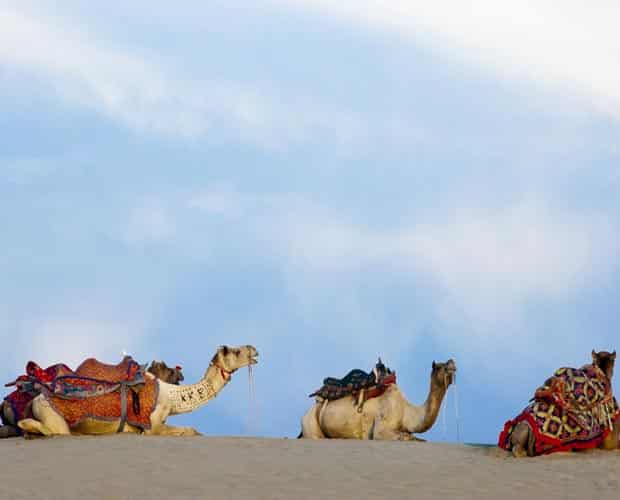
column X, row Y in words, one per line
column 107, row 406
column 574, row 409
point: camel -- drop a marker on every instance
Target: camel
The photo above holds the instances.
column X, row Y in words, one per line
column 387, row 417
column 170, row 400
column 522, row 439
column 163, row 372
column 159, row 369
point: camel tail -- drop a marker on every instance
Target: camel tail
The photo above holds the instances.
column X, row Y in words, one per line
column 301, row 434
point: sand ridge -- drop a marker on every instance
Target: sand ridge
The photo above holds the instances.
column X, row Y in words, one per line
column 135, row 467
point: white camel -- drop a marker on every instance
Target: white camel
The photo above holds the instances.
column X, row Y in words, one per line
column 171, row 400
column 389, row 416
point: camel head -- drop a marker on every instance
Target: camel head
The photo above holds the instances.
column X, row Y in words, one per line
column 443, row 374
column 605, row 361
column 230, row 359
column 163, row 372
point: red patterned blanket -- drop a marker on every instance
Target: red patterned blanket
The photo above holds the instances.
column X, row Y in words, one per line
column 574, row 409
column 27, row 386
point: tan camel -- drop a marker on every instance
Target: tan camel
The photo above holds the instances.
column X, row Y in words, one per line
column 389, row 416
column 159, row 369
column 171, row 400
column 522, row 438
column 163, row 372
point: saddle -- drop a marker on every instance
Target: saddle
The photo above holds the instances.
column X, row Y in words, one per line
column 357, row 383
column 127, row 374
column 91, row 379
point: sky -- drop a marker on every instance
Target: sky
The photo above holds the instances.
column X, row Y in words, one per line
column 328, row 181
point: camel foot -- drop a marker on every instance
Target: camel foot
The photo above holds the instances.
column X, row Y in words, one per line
column 32, row 426
column 30, row 435
column 519, row 451
column 168, row 430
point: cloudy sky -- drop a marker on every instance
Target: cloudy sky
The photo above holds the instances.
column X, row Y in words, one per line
column 329, row 181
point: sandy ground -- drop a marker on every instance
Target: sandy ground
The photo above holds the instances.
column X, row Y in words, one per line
column 128, row 466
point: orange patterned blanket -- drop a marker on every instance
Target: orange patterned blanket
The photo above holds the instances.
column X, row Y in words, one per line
column 108, row 407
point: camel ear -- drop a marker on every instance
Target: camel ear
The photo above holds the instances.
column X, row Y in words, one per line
column 434, row 364
column 613, row 355
column 594, row 356
column 224, row 350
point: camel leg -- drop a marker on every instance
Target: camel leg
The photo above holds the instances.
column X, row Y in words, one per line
column 8, row 431
column 612, row 441
column 360, row 400
column 310, row 427
column 379, row 431
column 169, row 430
column 47, row 423
column 522, row 440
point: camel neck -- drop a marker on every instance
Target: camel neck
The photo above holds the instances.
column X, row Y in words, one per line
column 421, row 418
column 432, row 405
column 187, row 398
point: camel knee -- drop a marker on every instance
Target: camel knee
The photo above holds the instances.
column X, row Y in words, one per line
column 310, row 428
column 521, row 440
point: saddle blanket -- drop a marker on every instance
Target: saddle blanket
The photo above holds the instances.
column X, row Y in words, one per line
column 93, row 387
column 107, row 406
column 27, row 386
column 574, row 409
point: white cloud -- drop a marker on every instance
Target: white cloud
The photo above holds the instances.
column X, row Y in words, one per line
column 490, row 261
column 149, row 222
column 25, row 170
column 137, row 89
column 572, row 46
column 490, row 264
column 70, row 339
column 220, row 200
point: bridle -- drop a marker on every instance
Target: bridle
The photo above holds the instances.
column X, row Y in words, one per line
column 226, row 374
column 450, row 378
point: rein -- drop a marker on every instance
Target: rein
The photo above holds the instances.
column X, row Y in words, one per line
column 226, row 374
column 251, row 400
column 444, row 406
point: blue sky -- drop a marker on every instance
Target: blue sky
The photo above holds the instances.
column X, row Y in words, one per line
column 327, row 182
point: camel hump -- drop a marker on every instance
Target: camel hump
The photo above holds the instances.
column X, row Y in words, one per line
column 126, row 371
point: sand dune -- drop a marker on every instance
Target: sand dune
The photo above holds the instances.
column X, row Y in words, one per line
column 128, row 466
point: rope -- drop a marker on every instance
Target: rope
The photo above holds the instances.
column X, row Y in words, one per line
column 252, row 406
column 456, row 412
column 444, row 408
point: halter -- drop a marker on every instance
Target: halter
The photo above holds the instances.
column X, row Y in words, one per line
column 226, row 374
